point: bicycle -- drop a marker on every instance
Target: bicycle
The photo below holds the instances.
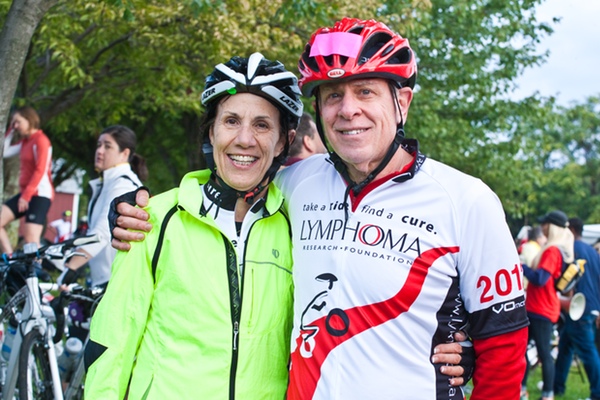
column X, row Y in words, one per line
column 32, row 371
column 91, row 296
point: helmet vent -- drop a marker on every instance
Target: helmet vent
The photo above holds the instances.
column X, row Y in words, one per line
column 309, row 62
column 329, row 60
column 358, row 30
column 387, row 50
column 374, row 44
column 402, row 56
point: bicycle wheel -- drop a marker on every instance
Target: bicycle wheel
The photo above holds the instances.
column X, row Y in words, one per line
column 75, row 389
column 35, row 377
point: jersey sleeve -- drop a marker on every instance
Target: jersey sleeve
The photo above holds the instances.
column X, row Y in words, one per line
column 43, row 154
column 500, row 366
column 491, row 282
column 118, row 325
column 491, row 278
column 10, row 149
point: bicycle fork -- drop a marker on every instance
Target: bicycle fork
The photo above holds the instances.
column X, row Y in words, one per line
column 35, row 317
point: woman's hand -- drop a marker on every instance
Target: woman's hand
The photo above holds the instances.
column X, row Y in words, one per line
column 23, row 205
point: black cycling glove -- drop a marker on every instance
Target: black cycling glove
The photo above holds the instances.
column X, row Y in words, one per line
column 467, row 360
column 68, row 276
column 128, row 198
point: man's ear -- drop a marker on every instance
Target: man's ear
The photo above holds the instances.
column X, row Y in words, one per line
column 291, row 136
column 405, row 96
column 308, row 143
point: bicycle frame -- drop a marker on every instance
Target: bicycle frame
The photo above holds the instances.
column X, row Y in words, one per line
column 38, row 316
column 77, row 378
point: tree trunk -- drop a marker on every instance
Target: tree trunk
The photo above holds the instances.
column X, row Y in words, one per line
column 15, row 38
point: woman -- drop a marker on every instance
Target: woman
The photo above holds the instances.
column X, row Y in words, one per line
column 208, row 296
column 121, row 170
column 35, row 180
column 542, row 303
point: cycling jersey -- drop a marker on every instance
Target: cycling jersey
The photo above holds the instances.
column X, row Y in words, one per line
column 542, row 300
column 35, row 178
column 418, row 256
column 63, row 230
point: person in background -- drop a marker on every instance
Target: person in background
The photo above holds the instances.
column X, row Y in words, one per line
column 597, row 245
column 579, row 336
column 35, row 180
column 121, row 170
column 535, row 240
column 542, row 303
column 597, row 248
column 62, row 227
column 307, row 141
column 393, row 251
column 11, row 166
column 82, row 227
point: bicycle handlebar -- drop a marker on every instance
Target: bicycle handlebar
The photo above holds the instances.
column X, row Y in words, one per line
column 54, row 250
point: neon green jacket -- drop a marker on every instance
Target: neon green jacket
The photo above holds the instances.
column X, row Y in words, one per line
column 179, row 323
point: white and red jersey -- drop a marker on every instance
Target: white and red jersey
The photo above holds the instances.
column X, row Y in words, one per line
column 36, row 167
column 414, row 260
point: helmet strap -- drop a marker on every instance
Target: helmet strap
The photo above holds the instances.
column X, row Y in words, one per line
column 341, row 167
column 228, row 196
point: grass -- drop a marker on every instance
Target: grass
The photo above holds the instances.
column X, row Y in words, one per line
column 577, row 384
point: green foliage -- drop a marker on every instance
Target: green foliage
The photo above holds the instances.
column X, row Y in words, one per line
column 572, row 167
column 142, row 63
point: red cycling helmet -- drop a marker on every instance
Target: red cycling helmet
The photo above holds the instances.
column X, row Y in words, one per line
column 352, row 48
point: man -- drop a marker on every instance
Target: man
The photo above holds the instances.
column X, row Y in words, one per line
column 393, row 252
column 62, row 227
column 307, row 141
column 578, row 336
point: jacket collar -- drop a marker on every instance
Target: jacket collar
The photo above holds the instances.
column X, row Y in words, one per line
column 190, row 194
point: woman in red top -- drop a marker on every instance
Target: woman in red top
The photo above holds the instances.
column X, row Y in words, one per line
column 541, row 302
column 35, row 180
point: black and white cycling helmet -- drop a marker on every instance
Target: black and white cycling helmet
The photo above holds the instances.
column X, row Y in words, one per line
column 267, row 79
column 259, row 76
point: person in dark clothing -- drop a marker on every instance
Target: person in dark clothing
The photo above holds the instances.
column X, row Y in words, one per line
column 578, row 337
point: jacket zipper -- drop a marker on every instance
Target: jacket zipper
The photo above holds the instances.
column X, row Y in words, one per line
column 236, row 308
column 235, row 299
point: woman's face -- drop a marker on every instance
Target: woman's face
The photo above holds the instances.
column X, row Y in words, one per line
column 21, row 125
column 108, row 153
column 245, row 137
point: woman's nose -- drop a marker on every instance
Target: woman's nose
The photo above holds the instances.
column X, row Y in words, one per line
column 245, row 136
